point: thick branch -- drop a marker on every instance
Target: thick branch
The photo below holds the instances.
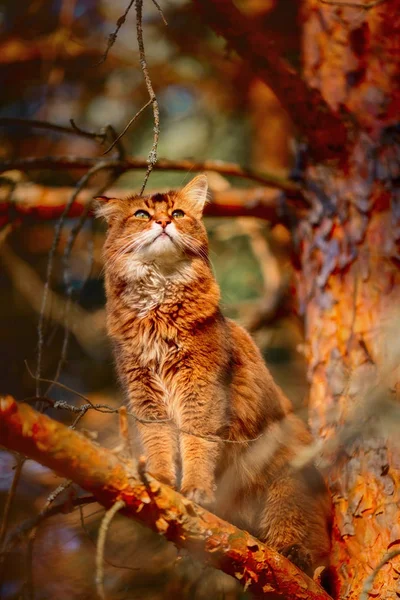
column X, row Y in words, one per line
column 44, row 203
column 261, row 570
column 325, row 131
column 163, row 164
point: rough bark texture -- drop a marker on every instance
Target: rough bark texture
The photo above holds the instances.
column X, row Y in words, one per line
column 349, row 283
column 259, row 569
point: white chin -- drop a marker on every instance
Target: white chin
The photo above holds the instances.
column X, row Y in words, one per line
column 161, row 249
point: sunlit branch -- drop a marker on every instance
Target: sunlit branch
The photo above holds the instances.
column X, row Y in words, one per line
column 258, row 568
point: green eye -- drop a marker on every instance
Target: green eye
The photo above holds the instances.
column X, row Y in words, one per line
column 142, row 214
column 178, row 214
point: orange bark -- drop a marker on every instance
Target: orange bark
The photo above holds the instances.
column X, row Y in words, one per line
column 350, row 280
column 259, row 569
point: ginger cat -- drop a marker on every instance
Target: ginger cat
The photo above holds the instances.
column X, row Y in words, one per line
column 182, row 362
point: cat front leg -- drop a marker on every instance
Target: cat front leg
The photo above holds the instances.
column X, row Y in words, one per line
column 199, row 458
column 200, row 424
column 158, row 434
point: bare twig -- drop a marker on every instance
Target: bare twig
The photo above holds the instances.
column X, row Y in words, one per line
column 9, row 502
column 28, row 525
column 107, row 560
column 158, row 7
column 33, row 532
column 57, row 234
column 139, row 112
column 152, row 158
column 112, row 38
column 368, row 583
column 36, row 124
column 66, row 259
column 107, row 409
column 105, row 524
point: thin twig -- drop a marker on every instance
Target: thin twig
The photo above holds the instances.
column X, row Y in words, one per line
column 139, row 112
column 77, row 228
column 107, row 409
column 58, row 384
column 33, row 532
column 158, row 7
column 36, row 124
column 28, row 525
column 66, row 259
column 368, row 583
column 107, row 560
column 112, row 38
column 152, row 158
column 57, row 235
column 9, row 501
column 105, row 524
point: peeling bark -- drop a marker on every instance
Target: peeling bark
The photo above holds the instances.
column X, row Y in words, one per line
column 349, row 282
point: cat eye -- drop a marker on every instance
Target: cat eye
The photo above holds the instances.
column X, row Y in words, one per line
column 178, row 214
column 142, row 214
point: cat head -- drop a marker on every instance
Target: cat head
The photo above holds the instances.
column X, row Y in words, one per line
column 162, row 229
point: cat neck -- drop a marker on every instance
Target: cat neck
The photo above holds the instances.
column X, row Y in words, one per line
column 151, row 285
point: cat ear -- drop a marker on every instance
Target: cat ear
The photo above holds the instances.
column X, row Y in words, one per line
column 106, row 207
column 195, row 192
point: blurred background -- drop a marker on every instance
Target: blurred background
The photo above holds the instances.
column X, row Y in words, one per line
column 211, row 107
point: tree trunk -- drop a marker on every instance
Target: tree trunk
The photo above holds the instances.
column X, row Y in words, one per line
column 349, row 281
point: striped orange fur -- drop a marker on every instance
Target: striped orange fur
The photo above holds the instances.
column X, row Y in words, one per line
column 224, row 433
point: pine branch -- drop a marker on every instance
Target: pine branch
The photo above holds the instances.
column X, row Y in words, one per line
column 259, row 569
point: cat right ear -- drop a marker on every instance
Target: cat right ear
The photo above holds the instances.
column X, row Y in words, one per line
column 106, row 207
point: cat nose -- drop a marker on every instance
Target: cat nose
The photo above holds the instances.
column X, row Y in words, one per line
column 164, row 221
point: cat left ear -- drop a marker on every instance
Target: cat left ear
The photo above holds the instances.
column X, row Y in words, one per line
column 106, row 207
column 196, row 192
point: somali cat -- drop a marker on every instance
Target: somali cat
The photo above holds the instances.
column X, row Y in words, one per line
column 182, row 362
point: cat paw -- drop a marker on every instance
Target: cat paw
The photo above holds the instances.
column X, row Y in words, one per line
column 201, row 496
column 299, row 556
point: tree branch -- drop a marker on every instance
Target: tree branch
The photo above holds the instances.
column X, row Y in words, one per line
column 324, row 130
column 35, row 124
column 163, row 164
column 33, row 201
column 259, row 569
